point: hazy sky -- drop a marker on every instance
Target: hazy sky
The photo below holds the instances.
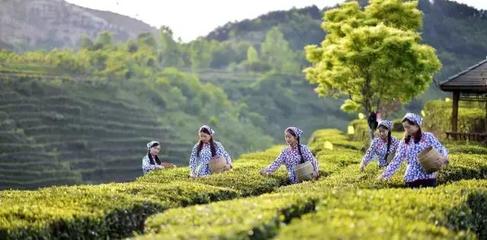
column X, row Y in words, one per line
column 192, row 18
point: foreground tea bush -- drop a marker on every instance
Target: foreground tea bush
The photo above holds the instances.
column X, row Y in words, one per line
column 250, row 218
column 113, row 210
column 116, row 210
column 433, row 213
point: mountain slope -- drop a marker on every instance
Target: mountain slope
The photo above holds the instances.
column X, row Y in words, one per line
column 47, row 24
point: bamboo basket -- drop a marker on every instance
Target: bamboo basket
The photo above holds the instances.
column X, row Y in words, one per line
column 390, row 157
column 168, row 165
column 431, row 160
column 217, row 164
column 304, row 171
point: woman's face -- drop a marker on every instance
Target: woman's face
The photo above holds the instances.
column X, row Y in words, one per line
column 205, row 138
column 155, row 150
column 410, row 129
column 290, row 139
column 383, row 132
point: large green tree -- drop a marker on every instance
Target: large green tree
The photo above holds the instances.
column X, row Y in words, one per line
column 372, row 55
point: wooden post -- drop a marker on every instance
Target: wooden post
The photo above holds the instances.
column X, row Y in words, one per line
column 454, row 114
column 485, row 120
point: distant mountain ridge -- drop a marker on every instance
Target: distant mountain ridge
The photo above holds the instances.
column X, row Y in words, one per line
column 458, row 32
column 48, row 24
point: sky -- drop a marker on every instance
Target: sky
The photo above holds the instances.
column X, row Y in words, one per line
column 190, row 19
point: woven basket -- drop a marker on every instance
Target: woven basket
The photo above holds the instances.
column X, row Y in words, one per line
column 168, row 165
column 304, row 171
column 217, row 164
column 390, row 157
column 431, row 160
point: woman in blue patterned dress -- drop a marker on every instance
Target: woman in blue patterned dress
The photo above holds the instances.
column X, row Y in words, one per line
column 413, row 143
column 382, row 146
column 204, row 151
column 293, row 155
column 151, row 161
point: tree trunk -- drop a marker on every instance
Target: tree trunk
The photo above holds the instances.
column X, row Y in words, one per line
column 366, row 92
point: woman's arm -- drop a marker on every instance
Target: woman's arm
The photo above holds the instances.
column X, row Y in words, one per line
column 369, row 155
column 276, row 164
column 193, row 161
column 401, row 154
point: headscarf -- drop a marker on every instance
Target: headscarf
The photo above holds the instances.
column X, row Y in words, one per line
column 386, row 123
column 296, row 131
column 151, row 144
column 415, row 118
column 210, row 130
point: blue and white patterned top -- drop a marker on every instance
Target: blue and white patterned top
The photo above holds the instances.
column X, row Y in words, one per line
column 146, row 166
column 199, row 165
column 291, row 158
column 409, row 152
column 378, row 149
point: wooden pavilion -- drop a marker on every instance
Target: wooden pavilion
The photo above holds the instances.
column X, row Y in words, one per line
column 468, row 85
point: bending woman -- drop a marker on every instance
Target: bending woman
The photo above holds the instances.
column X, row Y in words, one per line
column 382, row 146
column 203, row 151
column 293, row 155
column 413, row 143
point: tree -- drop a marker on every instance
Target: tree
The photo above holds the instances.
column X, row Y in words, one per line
column 117, row 66
column 252, row 55
column 103, row 40
column 372, row 57
column 276, row 51
column 170, row 52
column 147, row 39
column 85, row 42
column 201, row 56
column 228, row 53
column 253, row 63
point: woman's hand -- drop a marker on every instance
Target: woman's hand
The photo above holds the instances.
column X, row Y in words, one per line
column 315, row 174
column 381, row 178
column 444, row 159
column 263, row 172
column 168, row 165
column 362, row 167
column 228, row 167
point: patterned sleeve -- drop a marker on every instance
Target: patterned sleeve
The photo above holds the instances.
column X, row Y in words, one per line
column 277, row 163
column 436, row 144
column 369, row 155
column 221, row 152
column 396, row 162
column 193, row 160
column 308, row 156
column 146, row 166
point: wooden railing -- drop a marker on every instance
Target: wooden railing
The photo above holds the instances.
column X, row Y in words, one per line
column 480, row 137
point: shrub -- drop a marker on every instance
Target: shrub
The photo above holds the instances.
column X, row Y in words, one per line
column 471, row 118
